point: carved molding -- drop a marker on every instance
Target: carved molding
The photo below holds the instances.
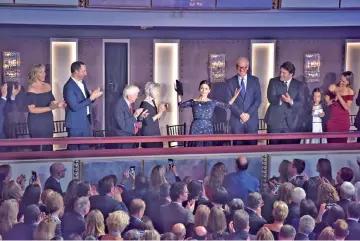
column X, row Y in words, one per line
column 275, row 4
column 81, row 3
column 264, row 171
column 76, row 169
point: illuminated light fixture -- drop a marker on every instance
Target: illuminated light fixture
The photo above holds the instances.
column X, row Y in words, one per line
column 63, row 52
column 352, row 63
column 312, row 67
column 196, row 3
column 263, row 66
column 217, row 68
column 11, row 66
column 166, row 71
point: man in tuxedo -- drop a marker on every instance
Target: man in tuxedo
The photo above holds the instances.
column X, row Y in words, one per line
column 78, row 99
column 244, row 111
column 286, row 97
column 127, row 119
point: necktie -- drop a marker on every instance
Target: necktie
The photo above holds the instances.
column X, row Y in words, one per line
column 136, row 127
column 242, row 85
column 286, row 85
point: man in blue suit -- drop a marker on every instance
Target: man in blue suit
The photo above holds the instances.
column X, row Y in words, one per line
column 239, row 184
column 244, row 117
column 78, row 99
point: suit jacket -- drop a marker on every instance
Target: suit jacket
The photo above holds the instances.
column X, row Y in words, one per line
column 152, row 211
column 76, row 109
column 72, row 223
column 135, row 223
column 354, row 230
column 240, row 184
column 124, row 119
column 256, row 222
column 20, row 231
column 294, row 212
column 2, row 117
column 357, row 119
column 53, row 184
column 106, row 205
column 240, row 235
column 285, row 116
column 174, row 213
column 344, row 203
column 248, row 104
column 301, row 236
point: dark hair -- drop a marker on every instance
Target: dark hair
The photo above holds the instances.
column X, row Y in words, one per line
column 317, row 90
column 165, row 190
column 168, row 236
column 105, row 185
column 141, row 181
column 353, row 210
column 220, row 196
column 299, row 165
column 254, row 200
column 176, row 190
column 205, row 82
column 308, row 207
column 76, row 66
column 195, row 190
column 31, row 196
column 241, row 220
column 324, row 167
column 349, row 76
column 334, row 213
column 347, row 174
column 289, row 67
column 82, row 189
column 31, row 214
column 242, row 167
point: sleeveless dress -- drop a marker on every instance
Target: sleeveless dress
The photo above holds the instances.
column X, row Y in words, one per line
column 339, row 120
column 202, row 115
column 41, row 125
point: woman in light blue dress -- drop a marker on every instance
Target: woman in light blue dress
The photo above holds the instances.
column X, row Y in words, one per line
column 202, row 109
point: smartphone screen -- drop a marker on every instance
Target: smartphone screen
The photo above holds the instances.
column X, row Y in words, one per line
column 171, row 163
column 132, row 170
column 33, row 176
column 276, row 188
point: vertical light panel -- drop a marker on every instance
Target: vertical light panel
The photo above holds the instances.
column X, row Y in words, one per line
column 263, row 66
column 352, row 63
column 166, row 72
column 63, row 52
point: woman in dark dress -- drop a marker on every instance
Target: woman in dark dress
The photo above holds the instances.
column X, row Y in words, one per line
column 150, row 124
column 339, row 99
column 41, row 103
column 203, row 109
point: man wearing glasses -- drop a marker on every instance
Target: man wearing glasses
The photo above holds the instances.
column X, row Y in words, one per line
column 57, row 172
column 244, row 112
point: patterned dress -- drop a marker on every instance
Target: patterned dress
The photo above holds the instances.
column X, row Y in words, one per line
column 202, row 114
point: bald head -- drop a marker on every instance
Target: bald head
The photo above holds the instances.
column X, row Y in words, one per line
column 179, row 230
column 242, row 66
column 57, row 170
column 242, row 163
column 200, row 231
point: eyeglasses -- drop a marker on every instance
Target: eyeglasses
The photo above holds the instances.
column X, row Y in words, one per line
column 240, row 67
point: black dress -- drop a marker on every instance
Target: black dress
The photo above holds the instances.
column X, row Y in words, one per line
column 149, row 126
column 41, row 125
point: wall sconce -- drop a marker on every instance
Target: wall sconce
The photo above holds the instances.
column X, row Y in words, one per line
column 217, row 68
column 196, row 3
column 312, row 67
column 11, row 66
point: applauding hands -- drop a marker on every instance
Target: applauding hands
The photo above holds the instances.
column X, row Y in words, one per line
column 94, row 94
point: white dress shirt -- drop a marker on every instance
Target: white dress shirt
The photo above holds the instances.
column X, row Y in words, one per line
column 287, row 89
column 244, row 79
column 82, row 88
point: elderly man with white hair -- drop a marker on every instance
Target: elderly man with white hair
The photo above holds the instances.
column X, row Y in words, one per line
column 297, row 195
column 306, row 226
column 126, row 117
column 347, row 192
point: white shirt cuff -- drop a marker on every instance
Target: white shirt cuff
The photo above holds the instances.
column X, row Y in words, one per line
column 12, row 97
column 4, row 98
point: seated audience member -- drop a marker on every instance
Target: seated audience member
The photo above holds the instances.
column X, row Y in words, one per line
column 280, row 212
column 341, row 229
column 116, row 223
column 136, row 212
column 132, row 234
column 153, row 207
column 55, row 204
column 306, row 226
column 179, row 230
column 57, row 172
column 296, row 169
column 151, row 235
column 202, row 216
column 95, row 225
column 287, row 232
column 174, row 212
column 240, row 183
column 45, row 230
column 25, row 230
column 345, row 174
column 141, row 186
column 240, row 226
column 254, row 204
column 347, row 193
column 74, row 222
column 327, row 234
column 297, row 195
column 353, row 214
column 217, row 224
column 168, row 236
column 200, row 233
column 108, row 200
column 264, row 234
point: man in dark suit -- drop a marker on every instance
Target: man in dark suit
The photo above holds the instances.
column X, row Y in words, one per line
column 240, row 226
column 74, row 222
column 240, row 183
column 353, row 214
column 2, row 107
column 78, row 99
column 286, row 97
column 347, row 193
column 108, row 199
column 244, row 111
column 136, row 212
column 306, row 226
column 254, row 204
column 126, row 117
column 57, row 172
column 174, row 212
